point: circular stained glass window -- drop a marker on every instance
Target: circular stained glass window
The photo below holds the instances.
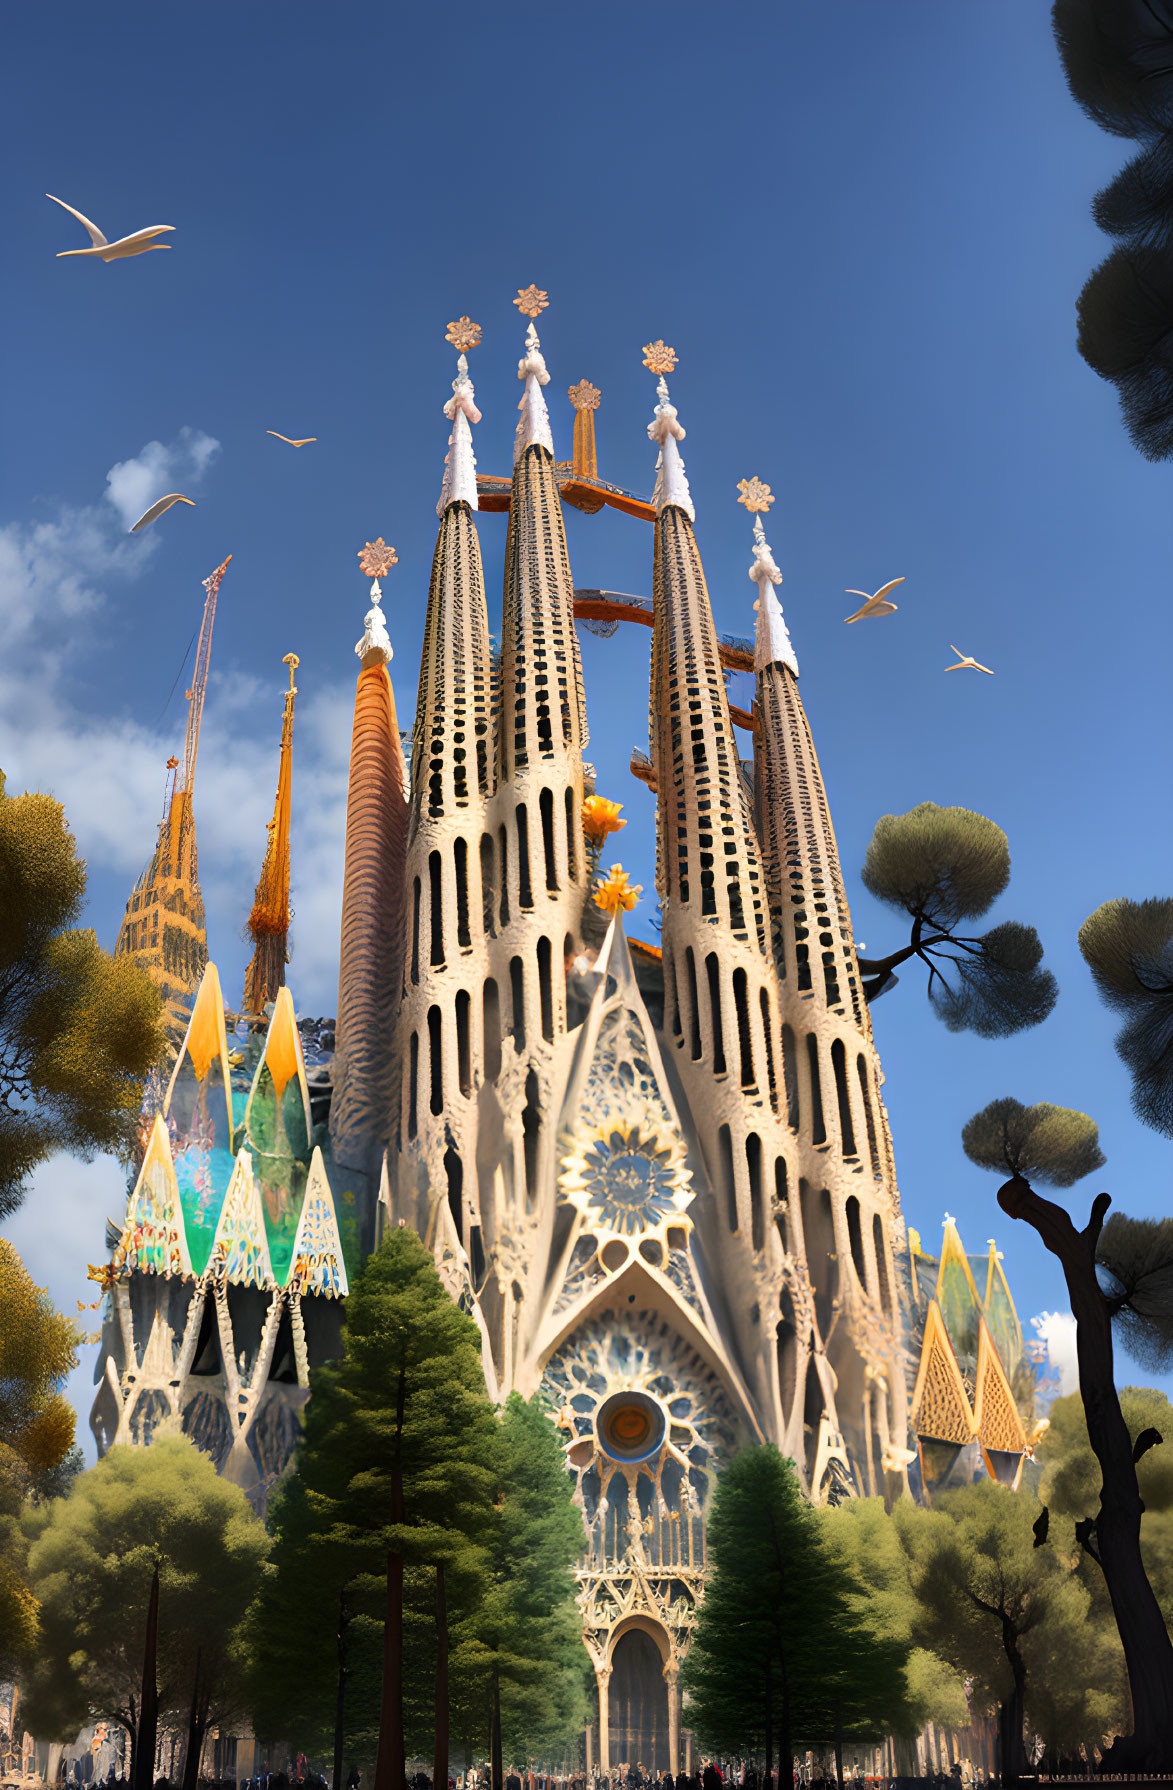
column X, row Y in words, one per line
column 630, row 1426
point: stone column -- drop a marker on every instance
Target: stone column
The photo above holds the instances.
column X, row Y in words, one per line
column 672, row 1680
column 603, row 1680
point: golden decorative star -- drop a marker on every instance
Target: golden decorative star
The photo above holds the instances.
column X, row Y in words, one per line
column 376, row 559
column 658, row 358
column 463, row 334
column 618, row 895
column 600, row 817
column 531, row 301
column 584, row 395
column 756, row 496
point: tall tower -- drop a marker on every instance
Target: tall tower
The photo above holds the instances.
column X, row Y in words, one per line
column 850, row 1208
column 451, row 891
column 164, row 921
column 371, row 955
column 268, row 924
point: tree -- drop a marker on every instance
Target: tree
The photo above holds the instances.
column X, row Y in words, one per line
column 528, row 1624
column 1010, row 1614
column 38, row 1348
column 1057, row 1146
column 1128, row 946
column 1118, row 58
column 92, row 1557
column 942, row 866
column 79, row 1030
column 782, row 1647
column 392, row 1491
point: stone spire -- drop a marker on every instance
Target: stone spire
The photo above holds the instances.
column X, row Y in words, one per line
column 371, row 966
column 533, row 427
column 460, row 466
column 671, row 482
column 772, row 638
column 268, row 924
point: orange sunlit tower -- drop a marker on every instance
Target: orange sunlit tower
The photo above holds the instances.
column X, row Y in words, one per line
column 268, row 924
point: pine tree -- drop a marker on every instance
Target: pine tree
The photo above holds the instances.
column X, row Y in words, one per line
column 782, row 1642
column 403, row 1415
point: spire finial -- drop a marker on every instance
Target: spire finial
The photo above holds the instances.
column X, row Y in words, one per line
column 666, row 430
column 292, row 660
column 533, row 428
column 375, row 561
column 772, row 645
column 460, row 466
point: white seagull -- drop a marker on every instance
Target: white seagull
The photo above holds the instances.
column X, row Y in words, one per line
column 157, row 509
column 876, row 604
column 304, row 442
column 138, row 244
column 964, row 663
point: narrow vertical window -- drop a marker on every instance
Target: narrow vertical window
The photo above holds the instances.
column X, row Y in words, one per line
column 492, row 1031
column 865, row 1089
column 546, row 808
column 517, row 992
column 531, row 1130
column 454, row 1171
column 744, row 1041
column 855, row 1237
column 545, row 991
column 415, row 930
column 767, row 1033
column 488, row 883
column 881, row 1262
column 463, row 1050
column 503, row 842
column 713, row 970
column 525, row 894
column 818, row 1124
column 753, row 1162
column 843, row 1095
column 694, row 1004
column 437, row 907
column 571, row 835
column 790, row 1075
column 435, row 1059
column 460, row 863
column 725, row 1145
column 413, row 1083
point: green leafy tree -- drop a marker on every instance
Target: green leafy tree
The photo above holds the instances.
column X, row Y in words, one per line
column 92, row 1556
column 528, row 1625
column 783, row 1646
column 38, row 1348
column 942, row 867
column 79, row 1029
column 1119, row 1273
column 1010, row 1614
column 388, row 1512
column 1128, row 946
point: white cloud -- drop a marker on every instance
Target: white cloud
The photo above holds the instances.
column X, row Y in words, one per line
column 1057, row 1330
column 132, row 486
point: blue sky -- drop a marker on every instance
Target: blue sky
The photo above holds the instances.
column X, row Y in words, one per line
column 863, row 228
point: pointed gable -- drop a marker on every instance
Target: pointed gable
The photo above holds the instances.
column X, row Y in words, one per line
column 941, row 1411
column 153, row 1238
column 957, row 1296
column 996, row 1420
column 198, row 1110
column 317, row 1262
column 277, row 1126
column 240, row 1252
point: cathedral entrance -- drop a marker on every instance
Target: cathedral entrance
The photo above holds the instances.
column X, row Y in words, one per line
column 638, row 1704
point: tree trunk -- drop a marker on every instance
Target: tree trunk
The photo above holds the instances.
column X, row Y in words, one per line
column 143, row 1762
column 769, row 1721
column 195, row 1739
column 340, row 1698
column 495, row 1770
column 440, row 1754
column 839, row 1742
column 785, row 1744
column 1148, row 1651
column 390, row 1763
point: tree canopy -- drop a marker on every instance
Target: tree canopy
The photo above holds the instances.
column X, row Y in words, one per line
column 38, row 1348
column 1051, row 1144
column 1128, row 946
column 940, row 867
column 79, row 1029
column 91, row 1559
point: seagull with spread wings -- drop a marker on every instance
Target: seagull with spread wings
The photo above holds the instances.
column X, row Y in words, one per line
column 138, row 244
column 876, row 604
column 965, row 663
column 305, row 442
column 160, row 508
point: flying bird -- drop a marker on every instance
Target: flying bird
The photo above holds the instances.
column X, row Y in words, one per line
column 289, row 438
column 964, row 663
column 157, row 509
column 874, row 605
column 138, row 244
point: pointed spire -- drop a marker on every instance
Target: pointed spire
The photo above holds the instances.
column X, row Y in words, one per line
column 375, row 561
column 268, row 924
column 666, row 429
column 533, row 428
column 772, row 645
column 460, row 466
